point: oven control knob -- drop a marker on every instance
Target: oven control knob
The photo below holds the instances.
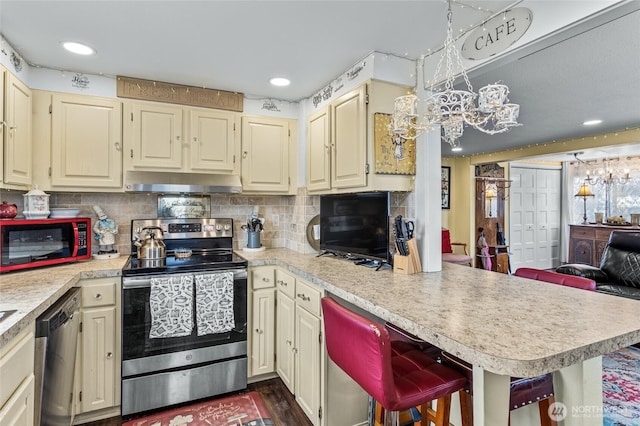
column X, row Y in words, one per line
column 227, row 227
column 218, row 227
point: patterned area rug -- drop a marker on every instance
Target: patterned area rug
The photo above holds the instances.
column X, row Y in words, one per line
column 621, row 387
column 241, row 410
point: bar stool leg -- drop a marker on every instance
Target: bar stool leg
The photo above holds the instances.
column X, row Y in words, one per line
column 543, row 408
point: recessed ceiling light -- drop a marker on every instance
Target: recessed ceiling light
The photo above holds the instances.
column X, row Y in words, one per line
column 78, row 48
column 592, row 122
column 280, row 81
column 456, row 149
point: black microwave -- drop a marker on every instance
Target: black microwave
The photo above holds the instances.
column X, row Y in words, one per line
column 32, row 243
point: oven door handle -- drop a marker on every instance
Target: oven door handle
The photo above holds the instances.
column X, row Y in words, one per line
column 145, row 281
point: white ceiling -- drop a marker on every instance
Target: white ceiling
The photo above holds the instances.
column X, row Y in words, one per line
column 238, row 45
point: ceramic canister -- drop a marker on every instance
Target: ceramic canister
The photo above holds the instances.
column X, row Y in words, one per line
column 36, row 204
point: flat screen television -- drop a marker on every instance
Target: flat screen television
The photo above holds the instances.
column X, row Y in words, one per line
column 356, row 225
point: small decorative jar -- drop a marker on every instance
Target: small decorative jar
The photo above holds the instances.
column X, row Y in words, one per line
column 36, row 204
column 8, row 211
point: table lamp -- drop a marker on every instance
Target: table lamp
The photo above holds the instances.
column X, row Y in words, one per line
column 584, row 192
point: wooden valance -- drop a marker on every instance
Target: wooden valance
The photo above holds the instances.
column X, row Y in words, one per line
column 148, row 90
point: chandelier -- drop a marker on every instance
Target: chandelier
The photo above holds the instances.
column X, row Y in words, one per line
column 453, row 109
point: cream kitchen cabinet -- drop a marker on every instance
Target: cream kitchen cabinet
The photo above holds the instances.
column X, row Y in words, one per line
column 262, row 320
column 299, row 341
column 166, row 137
column 86, row 142
column 268, row 155
column 3, row 76
column 97, row 378
column 17, row 389
column 340, row 142
column 17, row 133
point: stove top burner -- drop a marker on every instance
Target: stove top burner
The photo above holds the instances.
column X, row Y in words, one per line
column 209, row 241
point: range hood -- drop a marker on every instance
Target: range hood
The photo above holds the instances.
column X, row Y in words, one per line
column 180, row 183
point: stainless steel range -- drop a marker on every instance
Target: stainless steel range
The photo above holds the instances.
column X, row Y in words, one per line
column 184, row 315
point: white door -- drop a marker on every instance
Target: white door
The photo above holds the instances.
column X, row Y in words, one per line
column 534, row 212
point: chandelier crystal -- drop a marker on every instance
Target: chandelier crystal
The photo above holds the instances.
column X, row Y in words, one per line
column 453, row 109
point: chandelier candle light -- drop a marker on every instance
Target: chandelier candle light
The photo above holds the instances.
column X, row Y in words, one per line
column 584, row 192
column 452, row 109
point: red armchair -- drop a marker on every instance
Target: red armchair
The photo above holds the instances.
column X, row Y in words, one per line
column 448, row 255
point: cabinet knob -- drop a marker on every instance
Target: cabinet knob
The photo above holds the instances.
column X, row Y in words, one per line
column 244, row 154
column 118, row 148
column 98, row 296
column 178, row 138
column 265, row 279
column 109, row 355
column 304, row 297
column 289, row 342
column 259, row 331
column 13, row 127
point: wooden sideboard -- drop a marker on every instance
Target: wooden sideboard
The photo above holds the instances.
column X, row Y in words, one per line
column 587, row 242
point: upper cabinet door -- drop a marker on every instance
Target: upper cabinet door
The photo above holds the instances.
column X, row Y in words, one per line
column 155, row 139
column 17, row 132
column 212, row 141
column 349, row 137
column 319, row 151
column 86, row 141
column 265, row 154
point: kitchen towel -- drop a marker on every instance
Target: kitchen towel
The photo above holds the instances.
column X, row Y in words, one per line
column 214, row 303
column 171, row 305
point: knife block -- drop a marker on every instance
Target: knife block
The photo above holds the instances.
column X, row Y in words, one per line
column 408, row 264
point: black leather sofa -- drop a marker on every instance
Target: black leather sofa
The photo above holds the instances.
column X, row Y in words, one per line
column 619, row 271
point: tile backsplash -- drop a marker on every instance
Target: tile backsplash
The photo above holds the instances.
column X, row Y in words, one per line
column 285, row 217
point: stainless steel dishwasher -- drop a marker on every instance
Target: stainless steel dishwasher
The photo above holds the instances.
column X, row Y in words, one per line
column 55, row 359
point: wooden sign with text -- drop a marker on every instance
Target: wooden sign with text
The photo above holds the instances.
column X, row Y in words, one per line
column 135, row 88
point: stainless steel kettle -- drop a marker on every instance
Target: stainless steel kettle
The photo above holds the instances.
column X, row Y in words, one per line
column 151, row 247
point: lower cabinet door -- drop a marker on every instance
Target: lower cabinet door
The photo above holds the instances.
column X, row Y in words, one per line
column 98, row 359
column 262, row 332
column 307, row 370
column 285, row 338
column 19, row 409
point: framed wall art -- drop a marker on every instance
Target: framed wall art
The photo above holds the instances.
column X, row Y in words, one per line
column 393, row 154
column 446, row 186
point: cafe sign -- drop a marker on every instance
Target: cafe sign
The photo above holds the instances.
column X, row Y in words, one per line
column 497, row 34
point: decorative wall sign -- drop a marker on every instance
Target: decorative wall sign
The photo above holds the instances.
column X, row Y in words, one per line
column 497, row 34
column 446, row 187
column 393, row 154
column 148, row 90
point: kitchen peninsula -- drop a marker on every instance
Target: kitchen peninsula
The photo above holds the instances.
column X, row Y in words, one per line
column 504, row 325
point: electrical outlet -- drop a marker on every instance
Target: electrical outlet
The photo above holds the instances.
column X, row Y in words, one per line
column 275, row 219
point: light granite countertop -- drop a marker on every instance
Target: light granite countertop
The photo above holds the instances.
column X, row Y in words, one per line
column 505, row 324
column 32, row 292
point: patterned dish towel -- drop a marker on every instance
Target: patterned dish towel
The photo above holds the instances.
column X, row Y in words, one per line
column 214, row 303
column 171, row 305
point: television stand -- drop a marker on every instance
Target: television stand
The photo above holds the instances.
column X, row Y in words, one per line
column 323, row 252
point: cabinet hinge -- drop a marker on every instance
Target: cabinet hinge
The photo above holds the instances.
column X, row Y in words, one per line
column 80, row 396
column 50, row 171
column 50, row 108
column 366, row 169
column 289, row 180
column 366, row 98
column 132, row 117
column 320, row 337
column 234, row 159
column 320, row 412
column 289, row 132
column 80, row 329
column 131, row 153
column 234, row 127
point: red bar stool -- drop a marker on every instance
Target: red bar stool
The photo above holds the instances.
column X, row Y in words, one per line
column 397, row 375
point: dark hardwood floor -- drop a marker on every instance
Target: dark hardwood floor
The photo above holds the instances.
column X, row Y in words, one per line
column 279, row 402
